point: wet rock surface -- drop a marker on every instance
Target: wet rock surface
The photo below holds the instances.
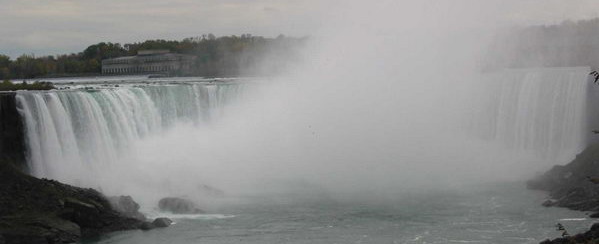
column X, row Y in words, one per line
column 574, row 186
column 157, row 223
column 46, row 211
column 126, row 206
column 147, row 226
column 591, row 236
column 162, row 222
column 12, row 137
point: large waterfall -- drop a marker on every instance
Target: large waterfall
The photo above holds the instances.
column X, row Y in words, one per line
column 541, row 111
column 83, row 136
column 71, row 133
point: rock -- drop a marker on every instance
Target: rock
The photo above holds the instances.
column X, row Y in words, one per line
column 549, row 203
column 46, row 211
column 147, row 226
column 87, row 214
column 2, row 241
column 39, row 229
column 570, row 183
column 162, row 222
column 178, row 206
column 12, row 137
column 574, row 187
column 126, row 206
column 590, row 236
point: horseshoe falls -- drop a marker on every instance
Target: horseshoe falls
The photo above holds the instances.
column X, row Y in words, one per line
column 156, row 140
column 83, row 135
column 71, row 134
column 388, row 121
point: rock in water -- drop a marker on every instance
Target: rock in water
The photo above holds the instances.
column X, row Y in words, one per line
column 127, row 206
column 178, row 206
column 549, row 203
column 45, row 211
column 157, row 223
column 147, row 226
column 162, row 222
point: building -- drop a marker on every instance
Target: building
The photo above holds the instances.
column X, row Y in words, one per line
column 150, row 62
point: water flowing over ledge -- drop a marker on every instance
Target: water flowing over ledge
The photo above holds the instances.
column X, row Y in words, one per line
column 542, row 110
column 72, row 130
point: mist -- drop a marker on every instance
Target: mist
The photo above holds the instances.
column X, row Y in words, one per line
column 381, row 105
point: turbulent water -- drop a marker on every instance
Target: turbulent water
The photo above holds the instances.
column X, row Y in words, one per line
column 85, row 135
column 493, row 214
column 72, row 133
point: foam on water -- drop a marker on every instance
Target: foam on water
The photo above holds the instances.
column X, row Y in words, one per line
column 460, row 217
column 155, row 214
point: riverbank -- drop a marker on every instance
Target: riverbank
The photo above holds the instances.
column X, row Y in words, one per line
column 574, row 186
column 46, row 211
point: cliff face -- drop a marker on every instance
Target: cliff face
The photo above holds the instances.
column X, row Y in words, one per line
column 12, row 136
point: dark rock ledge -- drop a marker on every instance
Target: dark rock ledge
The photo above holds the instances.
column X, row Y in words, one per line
column 45, row 211
column 574, row 186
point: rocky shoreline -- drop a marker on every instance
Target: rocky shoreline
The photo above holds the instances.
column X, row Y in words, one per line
column 40, row 211
column 574, row 186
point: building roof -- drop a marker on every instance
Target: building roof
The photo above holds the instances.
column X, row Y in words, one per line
column 143, row 55
column 122, row 58
column 152, row 52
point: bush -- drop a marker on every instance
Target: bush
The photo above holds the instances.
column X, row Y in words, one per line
column 7, row 85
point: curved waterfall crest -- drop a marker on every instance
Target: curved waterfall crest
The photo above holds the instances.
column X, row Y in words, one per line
column 72, row 130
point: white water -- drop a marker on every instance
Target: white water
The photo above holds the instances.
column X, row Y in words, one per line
column 541, row 111
column 172, row 138
column 378, row 107
column 71, row 135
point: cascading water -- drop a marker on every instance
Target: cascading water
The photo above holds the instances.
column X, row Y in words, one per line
column 542, row 111
column 70, row 134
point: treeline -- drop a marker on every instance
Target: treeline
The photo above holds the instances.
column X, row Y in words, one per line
column 216, row 56
column 565, row 45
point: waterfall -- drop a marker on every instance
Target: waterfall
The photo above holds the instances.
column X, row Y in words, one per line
column 70, row 133
column 81, row 134
column 541, row 111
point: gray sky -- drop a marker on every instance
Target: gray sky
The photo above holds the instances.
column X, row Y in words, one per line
column 60, row 26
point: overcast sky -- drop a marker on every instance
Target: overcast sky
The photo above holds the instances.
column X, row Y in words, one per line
column 47, row 27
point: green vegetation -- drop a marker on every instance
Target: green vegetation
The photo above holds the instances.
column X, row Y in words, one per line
column 222, row 56
column 6, row 85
